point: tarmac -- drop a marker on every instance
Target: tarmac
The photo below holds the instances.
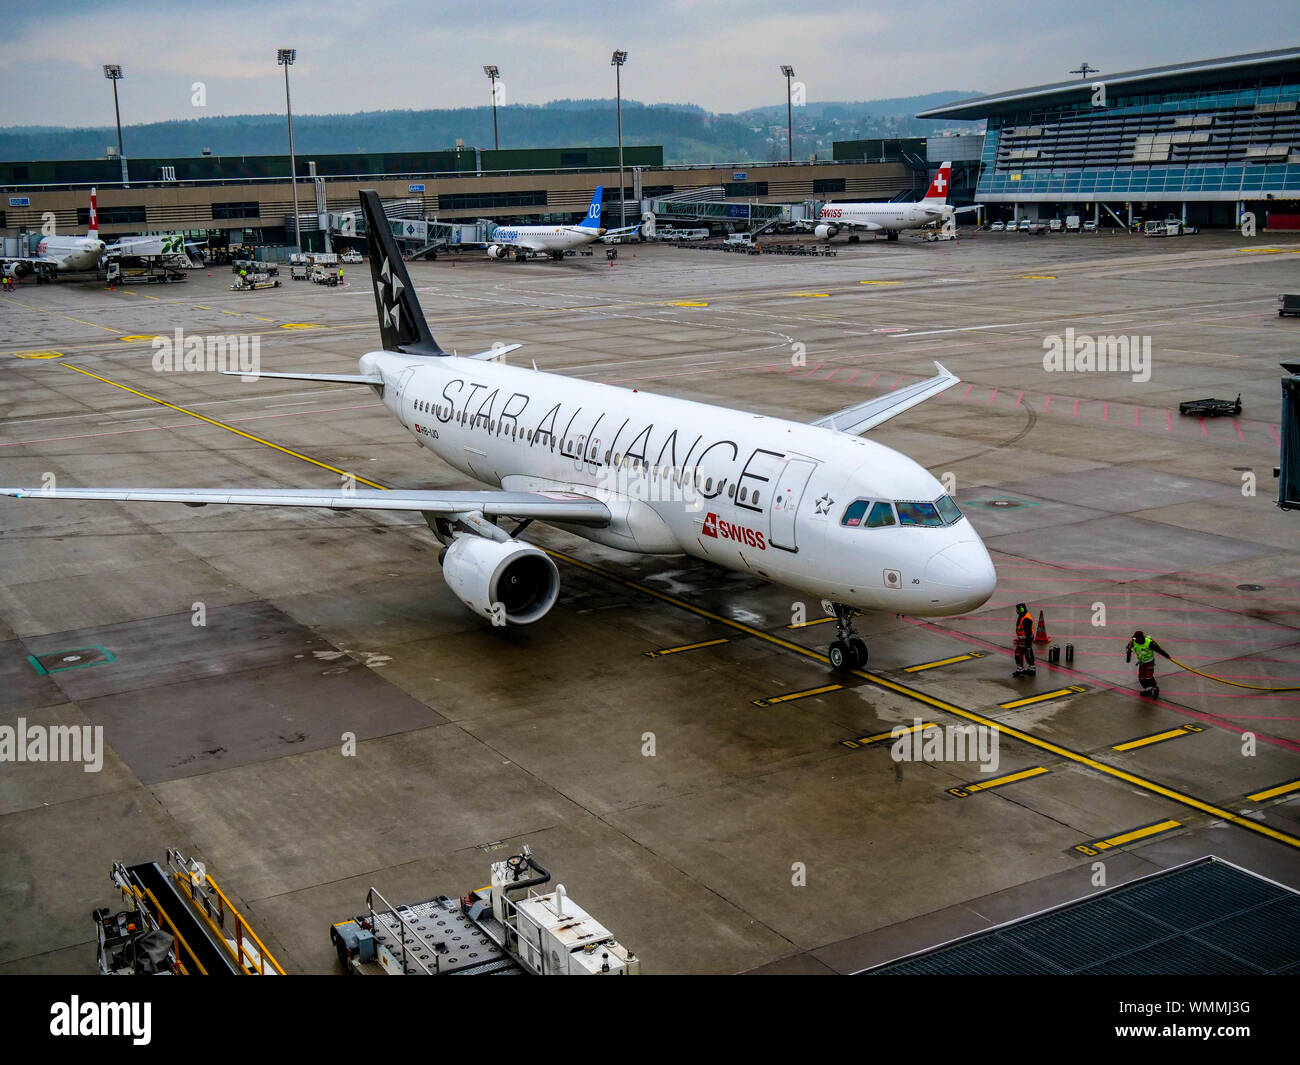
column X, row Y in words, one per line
column 669, row 740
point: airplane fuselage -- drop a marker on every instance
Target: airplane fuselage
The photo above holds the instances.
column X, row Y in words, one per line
column 71, row 253
column 755, row 494
column 544, row 238
column 881, row 216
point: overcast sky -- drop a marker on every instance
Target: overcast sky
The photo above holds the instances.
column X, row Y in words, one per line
column 723, row 55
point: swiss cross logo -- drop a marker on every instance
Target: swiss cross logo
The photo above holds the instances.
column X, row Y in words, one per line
column 940, row 182
column 718, row 529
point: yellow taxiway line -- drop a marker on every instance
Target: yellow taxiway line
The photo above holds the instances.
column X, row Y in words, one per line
column 944, row 662
column 1158, row 737
column 686, row 647
column 1274, row 792
column 223, row 425
column 1096, row 846
column 997, row 782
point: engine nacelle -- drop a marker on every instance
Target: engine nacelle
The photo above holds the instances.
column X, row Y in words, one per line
column 495, row 251
column 504, row 581
column 825, row 232
column 17, row 270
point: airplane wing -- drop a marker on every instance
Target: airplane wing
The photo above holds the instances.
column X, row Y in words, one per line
column 46, row 261
column 527, row 245
column 838, row 223
column 858, row 419
column 544, row 506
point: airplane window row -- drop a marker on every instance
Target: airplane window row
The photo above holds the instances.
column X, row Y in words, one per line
column 878, row 514
column 637, row 464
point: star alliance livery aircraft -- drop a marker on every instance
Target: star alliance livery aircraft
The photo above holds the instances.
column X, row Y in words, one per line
column 810, row 506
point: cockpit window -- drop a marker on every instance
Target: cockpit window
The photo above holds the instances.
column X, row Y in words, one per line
column 926, row 514
column 854, row 512
column 948, row 509
column 881, row 514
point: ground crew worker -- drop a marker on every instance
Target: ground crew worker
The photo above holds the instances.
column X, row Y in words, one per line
column 340, row 275
column 1146, row 650
column 1024, row 642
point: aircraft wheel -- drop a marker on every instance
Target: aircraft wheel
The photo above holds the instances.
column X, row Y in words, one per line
column 854, row 238
column 840, row 655
column 859, row 648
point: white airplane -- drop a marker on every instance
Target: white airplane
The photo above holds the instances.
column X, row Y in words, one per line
column 554, row 240
column 890, row 218
column 810, row 506
column 60, row 255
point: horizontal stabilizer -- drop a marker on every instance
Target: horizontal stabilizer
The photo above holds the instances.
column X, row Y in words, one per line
column 332, row 378
column 493, row 353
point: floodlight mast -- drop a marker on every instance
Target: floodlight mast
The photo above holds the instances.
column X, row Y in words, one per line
column 285, row 57
column 617, row 61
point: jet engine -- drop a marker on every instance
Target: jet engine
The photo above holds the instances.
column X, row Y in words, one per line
column 504, row 581
column 825, row 232
column 17, row 270
column 495, row 251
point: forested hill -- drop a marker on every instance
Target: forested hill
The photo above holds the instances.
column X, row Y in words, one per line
column 688, row 133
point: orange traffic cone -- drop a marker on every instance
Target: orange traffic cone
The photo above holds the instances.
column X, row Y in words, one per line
column 1041, row 635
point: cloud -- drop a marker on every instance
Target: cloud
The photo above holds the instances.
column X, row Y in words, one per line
column 724, row 55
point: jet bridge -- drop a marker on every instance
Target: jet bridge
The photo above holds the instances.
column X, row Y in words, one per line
column 751, row 217
column 414, row 235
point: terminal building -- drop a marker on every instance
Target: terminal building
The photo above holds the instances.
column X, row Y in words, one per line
column 249, row 199
column 1205, row 142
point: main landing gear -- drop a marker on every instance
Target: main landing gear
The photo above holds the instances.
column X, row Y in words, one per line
column 849, row 650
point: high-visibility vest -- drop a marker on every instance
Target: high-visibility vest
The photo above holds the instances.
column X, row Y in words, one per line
column 1142, row 648
column 1027, row 616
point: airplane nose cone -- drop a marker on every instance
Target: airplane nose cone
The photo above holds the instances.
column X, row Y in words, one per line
column 964, row 573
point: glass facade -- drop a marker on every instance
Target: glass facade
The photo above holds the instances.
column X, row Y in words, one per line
column 1233, row 142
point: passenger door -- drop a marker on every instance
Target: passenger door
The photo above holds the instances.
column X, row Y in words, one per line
column 405, row 400
column 787, row 494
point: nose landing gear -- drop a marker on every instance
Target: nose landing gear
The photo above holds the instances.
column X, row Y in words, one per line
column 849, row 650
